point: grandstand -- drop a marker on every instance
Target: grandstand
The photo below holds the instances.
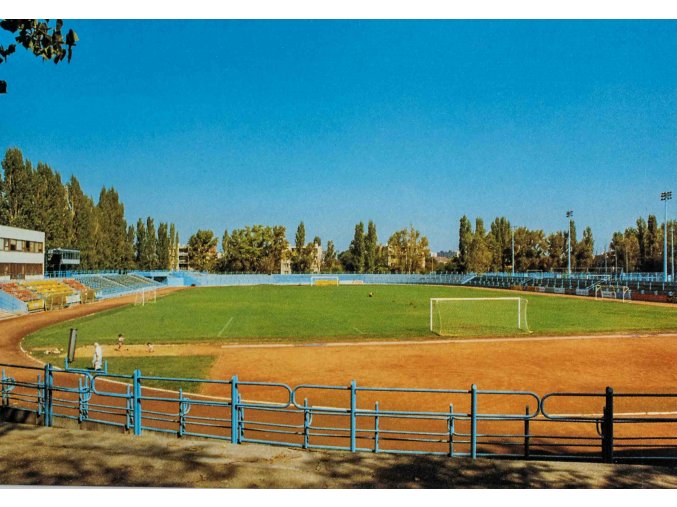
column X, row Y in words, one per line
column 106, row 285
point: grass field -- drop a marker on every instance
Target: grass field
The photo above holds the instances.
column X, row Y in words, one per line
column 157, row 366
column 309, row 314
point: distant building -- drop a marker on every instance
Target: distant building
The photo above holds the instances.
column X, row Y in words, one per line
column 63, row 259
column 449, row 254
column 183, row 257
column 22, row 253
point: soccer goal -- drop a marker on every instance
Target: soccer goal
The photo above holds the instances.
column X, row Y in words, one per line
column 612, row 292
column 463, row 316
column 145, row 297
column 324, row 280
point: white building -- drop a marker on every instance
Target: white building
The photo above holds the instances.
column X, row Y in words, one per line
column 22, row 253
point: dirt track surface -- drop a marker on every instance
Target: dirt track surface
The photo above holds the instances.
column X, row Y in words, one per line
column 59, row 457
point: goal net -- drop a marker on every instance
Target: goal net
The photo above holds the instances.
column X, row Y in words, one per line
column 145, row 297
column 612, row 292
column 324, row 280
column 466, row 316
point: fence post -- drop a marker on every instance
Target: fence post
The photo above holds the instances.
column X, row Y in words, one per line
column 129, row 408
column 80, row 401
column 473, row 421
column 182, row 415
column 608, row 427
column 451, row 430
column 234, row 420
column 136, row 378
column 240, row 411
column 49, row 382
column 305, row 423
column 353, row 418
column 527, row 437
column 5, row 390
column 376, row 421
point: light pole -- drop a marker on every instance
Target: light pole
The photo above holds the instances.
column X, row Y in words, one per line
column 665, row 196
column 672, row 240
column 570, row 213
column 513, row 250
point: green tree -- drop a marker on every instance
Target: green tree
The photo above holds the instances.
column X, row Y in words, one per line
column 642, row 243
column 173, row 248
column 499, row 243
column 585, row 254
column 370, row 248
column 44, row 41
column 479, row 254
column 557, row 250
column 357, row 249
column 408, row 251
column 256, row 249
column 112, row 229
column 16, row 202
column 162, row 246
column 141, row 243
column 330, row 262
column 653, row 247
column 464, row 239
column 51, row 212
column 201, row 250
column 84, row 224
column 129, row 256
column 302, row 257
column 151, row 257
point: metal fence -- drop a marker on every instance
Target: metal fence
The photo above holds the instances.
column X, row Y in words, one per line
column 462, row 423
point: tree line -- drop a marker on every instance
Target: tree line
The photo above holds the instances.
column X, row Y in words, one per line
column 36, row 198
column 265, row 249
column 638, row 248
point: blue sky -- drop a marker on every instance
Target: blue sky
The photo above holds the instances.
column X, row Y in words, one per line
column 220, row 124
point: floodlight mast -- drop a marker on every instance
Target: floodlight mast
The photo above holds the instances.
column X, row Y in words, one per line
column 665, row 196
column 570, row 213
column 513, row 251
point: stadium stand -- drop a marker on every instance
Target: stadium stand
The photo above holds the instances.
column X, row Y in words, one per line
column 115, row 284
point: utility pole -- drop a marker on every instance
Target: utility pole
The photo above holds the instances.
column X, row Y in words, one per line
column 570, row 213
column 665, row 196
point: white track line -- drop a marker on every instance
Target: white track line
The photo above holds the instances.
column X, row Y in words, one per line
column 457, row 341
column 225, row 327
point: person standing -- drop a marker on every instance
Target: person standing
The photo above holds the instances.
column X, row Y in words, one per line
column 97, row 359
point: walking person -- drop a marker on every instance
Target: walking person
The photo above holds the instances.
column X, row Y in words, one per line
column 121, row 342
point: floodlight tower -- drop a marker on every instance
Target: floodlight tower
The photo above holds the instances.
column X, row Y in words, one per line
column 665, row 196
column 570, row 213
column 513, row 250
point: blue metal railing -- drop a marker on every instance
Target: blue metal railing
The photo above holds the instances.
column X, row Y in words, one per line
column 273, row 413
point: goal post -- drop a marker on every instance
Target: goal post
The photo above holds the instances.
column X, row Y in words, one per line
column 145, row 297
column 463, row 316
column 621, row 292
column 321, row 280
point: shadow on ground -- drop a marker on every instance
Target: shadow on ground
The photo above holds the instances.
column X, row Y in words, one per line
column 32, row 455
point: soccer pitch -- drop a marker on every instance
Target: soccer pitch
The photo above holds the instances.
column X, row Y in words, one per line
column 273, row 314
